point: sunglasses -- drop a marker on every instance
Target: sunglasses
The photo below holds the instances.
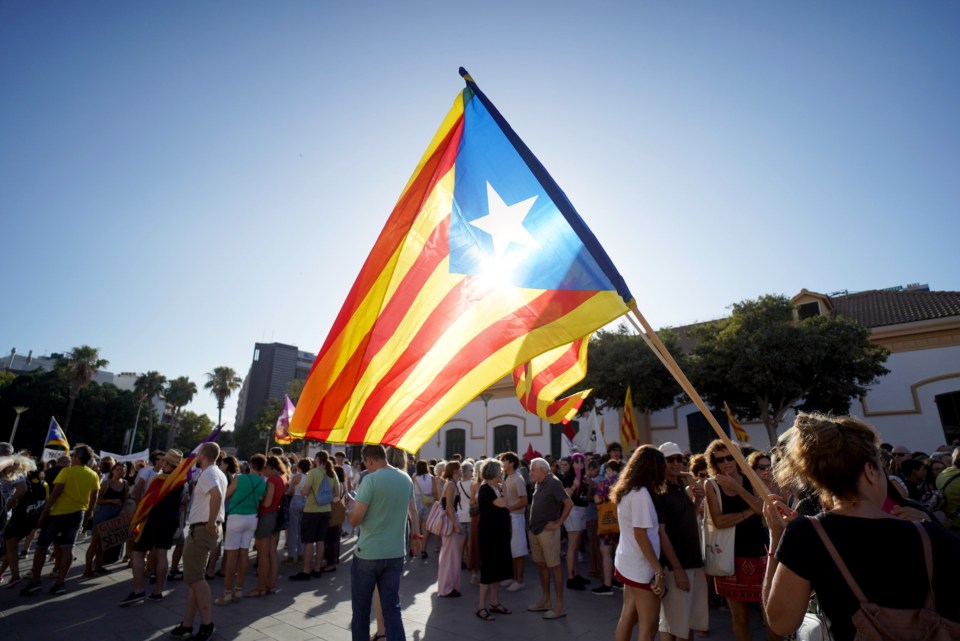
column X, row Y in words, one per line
column 720, row 459
column 763, row 468
column 676, row 458
column 701, row 475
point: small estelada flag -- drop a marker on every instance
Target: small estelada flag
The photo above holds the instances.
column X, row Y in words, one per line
column 55, row 436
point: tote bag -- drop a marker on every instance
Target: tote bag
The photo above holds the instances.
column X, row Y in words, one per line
column 607, row 522
column 437, row 521
column 717, row 542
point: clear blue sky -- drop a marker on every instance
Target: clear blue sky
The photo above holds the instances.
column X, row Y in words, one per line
column 179, row 180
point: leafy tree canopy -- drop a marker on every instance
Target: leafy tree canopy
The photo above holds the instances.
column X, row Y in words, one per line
column 618, row 359
column 763, row 363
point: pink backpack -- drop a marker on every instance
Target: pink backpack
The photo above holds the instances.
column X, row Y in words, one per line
column 875, row 623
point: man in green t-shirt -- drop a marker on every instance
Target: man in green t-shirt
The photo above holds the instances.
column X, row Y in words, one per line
column 949, row 484
column 384, row 501
column 74, row 495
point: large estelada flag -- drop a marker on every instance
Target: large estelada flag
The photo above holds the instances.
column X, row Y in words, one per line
column 739, row 433
column 628, row 427
column 541, row 380
column 281, row 431
column 483, row 265
column 175, row 480
column 55, row 436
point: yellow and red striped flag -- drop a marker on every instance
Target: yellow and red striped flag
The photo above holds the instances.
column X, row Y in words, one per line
column 628, row 428
column 738, row 431
column 542, row 379
column 483, row 265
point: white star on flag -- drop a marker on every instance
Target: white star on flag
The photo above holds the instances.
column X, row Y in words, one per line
column 505, row 222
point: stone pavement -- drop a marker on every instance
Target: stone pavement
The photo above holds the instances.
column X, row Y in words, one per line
column 319, row 609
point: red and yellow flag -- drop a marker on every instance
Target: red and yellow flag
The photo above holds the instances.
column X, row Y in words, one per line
column 628, row 428
column 738, row 432
column 483, row 265
column 542, row 379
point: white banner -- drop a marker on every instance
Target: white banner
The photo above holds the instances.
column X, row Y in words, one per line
column 120, row 458
column 51, row 454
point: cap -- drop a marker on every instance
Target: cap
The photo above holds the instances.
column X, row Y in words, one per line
column 671, row 449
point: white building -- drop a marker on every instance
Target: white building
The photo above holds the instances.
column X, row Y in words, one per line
column 917, row 404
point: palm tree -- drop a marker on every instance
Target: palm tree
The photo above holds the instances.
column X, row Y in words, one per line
column 221, row 383
column 147, row 387
column 180, row 391
column 77, row 369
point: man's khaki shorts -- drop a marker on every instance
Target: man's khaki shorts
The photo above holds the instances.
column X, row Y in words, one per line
column 545, row 547
column 196, row 551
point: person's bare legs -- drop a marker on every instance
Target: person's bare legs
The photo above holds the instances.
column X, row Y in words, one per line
column 544, row 601
column 628, row 615
column 740, row 613
column 558, row 582
column 648, row 614
column 66, row 560
column 378, row 613
column 243, row 564
column 573, row 549
column 161, row 556
column 138, row 565
column 13, row 557
column 519, row 565
column 606, row 556
column 229, row 572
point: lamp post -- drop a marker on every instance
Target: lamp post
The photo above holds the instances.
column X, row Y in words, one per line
column 19, row 409
column 485, row 397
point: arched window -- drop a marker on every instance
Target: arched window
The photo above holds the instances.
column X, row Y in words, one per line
column 504, row 439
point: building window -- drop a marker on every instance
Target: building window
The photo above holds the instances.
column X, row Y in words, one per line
column 949, row 407
column 456, row 441
column 808, row 310
column 504, row 439
column 256, row 354
column 699, row 431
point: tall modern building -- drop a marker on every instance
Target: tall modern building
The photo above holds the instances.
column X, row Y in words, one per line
column 274, row 367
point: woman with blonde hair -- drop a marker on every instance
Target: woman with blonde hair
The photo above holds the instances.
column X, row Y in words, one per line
column 637, row 560
column 838, row 458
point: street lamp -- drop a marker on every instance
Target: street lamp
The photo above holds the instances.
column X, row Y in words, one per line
column 19, row 409
column 485, row 397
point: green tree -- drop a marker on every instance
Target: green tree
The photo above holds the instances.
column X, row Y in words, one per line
column 763, row 362
column 222, row 382
column 620, row 359
column 180, row 391
column 77, row 369
column 193, row 429
column 147, row 387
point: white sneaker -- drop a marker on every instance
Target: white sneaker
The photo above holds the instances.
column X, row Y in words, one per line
column 516, row 587
column 506, row 583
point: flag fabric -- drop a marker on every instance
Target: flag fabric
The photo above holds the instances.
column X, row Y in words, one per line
column 541, row 380
column 281, row 433
column 628, row 428
column 55, row 436
column 483, row 265
column 738, row 431
column 176, row 479
column 588, row 439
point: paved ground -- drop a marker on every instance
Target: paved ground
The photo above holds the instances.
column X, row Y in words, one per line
column 319, row 609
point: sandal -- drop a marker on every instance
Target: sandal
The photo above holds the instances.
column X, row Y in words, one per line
column 255, row 592
column 378, row 636
column 484, row 614
column 226, row 599
column 499, row 609
column 237, row 595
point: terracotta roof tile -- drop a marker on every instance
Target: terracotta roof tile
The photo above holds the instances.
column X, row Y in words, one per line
column 877, row 308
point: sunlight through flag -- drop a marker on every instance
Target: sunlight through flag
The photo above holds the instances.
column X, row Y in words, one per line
column 483, row 265
column 281, row 433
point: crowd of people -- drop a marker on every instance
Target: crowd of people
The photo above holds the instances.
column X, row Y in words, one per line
column 591, row 523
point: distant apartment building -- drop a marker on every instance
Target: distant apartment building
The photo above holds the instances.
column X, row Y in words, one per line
column 274, row 367
column 20, row 364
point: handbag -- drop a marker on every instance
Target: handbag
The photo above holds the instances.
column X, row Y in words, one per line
column 438, row 522
column 607, row 522
column 338, row 511
column 815, row 625
column 717, row 543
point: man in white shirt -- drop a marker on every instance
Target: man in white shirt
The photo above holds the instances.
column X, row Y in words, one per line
column 202, row 536
column 347, row 471
column 515, row 493
column 147, row 474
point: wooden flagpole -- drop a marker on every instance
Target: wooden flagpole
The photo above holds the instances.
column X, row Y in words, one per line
column 660, row 350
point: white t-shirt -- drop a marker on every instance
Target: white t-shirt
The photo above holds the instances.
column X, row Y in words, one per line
column 147, row 474
column 636, row 509
column 348, row 474
column 209, row 479
column 463, row 489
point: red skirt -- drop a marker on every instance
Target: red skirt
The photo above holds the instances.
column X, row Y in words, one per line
column 747, row 581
